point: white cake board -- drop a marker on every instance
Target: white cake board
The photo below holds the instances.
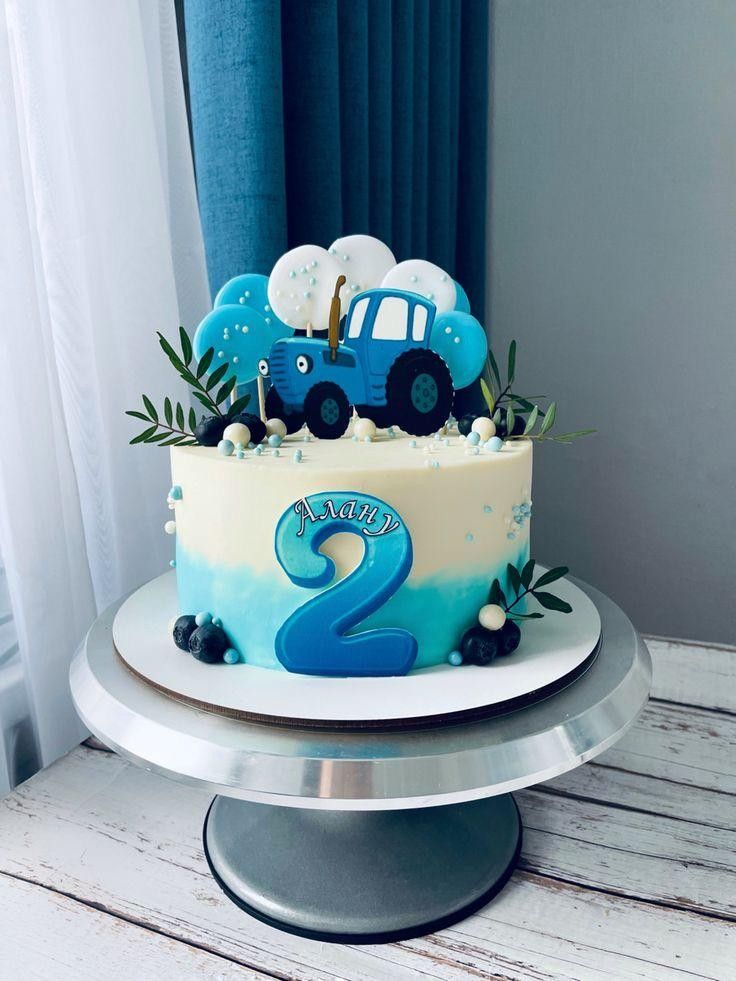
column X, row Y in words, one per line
column 551, row 650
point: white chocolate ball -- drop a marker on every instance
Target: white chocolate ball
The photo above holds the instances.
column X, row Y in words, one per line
column 364, row 427
column 484, row 427
column 491, row 616
column 237, row 432
column 170, row 527
column 275, row 427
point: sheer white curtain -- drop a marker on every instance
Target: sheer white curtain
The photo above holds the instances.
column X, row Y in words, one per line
column 100, row 247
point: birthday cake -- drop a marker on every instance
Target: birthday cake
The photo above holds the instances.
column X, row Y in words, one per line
column 370, row 514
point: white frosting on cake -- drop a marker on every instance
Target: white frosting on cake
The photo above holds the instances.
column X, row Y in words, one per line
column 459, row 503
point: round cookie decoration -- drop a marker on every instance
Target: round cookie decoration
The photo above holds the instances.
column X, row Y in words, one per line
column 461, row 342
column 365, row 261
column 423, row 277
column 301, row 285
column 239, row 336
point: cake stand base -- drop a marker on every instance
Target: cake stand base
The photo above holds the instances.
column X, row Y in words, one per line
column 362, row 876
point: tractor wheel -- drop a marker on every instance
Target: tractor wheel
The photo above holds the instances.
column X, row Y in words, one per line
column 327, row 411
column 379, row 414
column 293, row 419
column 419, row 392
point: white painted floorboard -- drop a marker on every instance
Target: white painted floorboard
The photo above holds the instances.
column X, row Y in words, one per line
column 627, row 869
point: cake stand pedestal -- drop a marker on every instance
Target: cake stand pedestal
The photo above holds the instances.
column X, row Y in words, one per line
column 364, row 836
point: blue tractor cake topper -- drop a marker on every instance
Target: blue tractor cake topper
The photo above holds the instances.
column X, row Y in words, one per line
column 407, row 344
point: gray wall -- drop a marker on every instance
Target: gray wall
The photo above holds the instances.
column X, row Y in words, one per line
column 613, row 261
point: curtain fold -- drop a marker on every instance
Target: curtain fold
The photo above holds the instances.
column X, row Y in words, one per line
column 97, row 189
column 383, row 105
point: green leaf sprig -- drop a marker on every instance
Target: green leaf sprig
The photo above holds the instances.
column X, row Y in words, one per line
column 210, row 390
column 498, row 396
column 522, row 585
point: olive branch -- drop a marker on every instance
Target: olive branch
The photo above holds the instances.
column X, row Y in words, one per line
column 521, row 583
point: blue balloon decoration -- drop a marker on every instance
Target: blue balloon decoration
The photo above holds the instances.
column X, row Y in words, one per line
column 461, row 342
column 241, row 327
column 462, row 303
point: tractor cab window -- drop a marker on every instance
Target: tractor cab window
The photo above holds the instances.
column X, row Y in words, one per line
column 420, row 322
column 357, row 317
column 391, row 319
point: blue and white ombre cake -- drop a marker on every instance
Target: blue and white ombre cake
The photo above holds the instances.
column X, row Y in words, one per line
column 347, row 556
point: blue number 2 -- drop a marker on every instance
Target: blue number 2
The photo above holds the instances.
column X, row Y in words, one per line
column 313, row 639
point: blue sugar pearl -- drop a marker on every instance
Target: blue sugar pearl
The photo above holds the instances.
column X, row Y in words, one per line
column 239, row 446
column 473, row 438
column 474, row 451
column 216, row 622
column 511, row 536
column 275, row 440
column 175, row 493
column 231, row 656
column 297, row 456
column 258, row 450
column 355, row 439
column 469, row 537
column 487, row 508
column 413, row 443
column 202, row 618
column 277, row 452
column 367, row 439
column 307, row 438
column 226, row 447
column 251, row 445
column 240, row 454
column 516, row 509
column 435, row 464
column 173, row 563
column 494, row 444
column 446, row 441
column 455, row 658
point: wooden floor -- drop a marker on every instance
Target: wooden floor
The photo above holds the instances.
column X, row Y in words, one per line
column 627, row 869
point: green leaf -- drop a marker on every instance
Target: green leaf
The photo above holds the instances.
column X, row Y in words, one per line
column 527, row 572
column 217, row 375
column 497, row 416
column 496, row 594
column 205, row 362
column 144, row 436
column 226, row 390
column 171, row 353
column 494, row 368
column 532, row 420
column 549, row 419
column 186, row 346
column 551, row 576
column 180, row 415
column 510, row 420
column 168, row 411
column 137, row 415
column 525, row 616
column 238, row 406
column 150, row 408
column 174, row 441
column 511, row 361
column 158, row 436
column 192, row 419
column 569, row 437
column 205, row 401
column 489, row 400
column 189, row 442
column 551, row 602
column 514, row 578
column 523, row 403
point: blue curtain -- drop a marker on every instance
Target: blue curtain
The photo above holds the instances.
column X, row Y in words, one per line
column 313, row 119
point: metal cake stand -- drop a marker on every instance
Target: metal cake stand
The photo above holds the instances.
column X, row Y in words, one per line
column 363, row 837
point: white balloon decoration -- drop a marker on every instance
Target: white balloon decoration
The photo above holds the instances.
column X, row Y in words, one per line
column 364, row 260
column 301, row 285
column 420, row 276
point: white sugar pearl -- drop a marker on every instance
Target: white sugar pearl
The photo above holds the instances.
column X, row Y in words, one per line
column 364, row 427
column 275, row 427
column 491, row 616
column 170, row 527
column 236, row 432
column 484, row 427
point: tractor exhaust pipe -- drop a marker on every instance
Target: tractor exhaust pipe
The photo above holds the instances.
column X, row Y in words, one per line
column 333, row 329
